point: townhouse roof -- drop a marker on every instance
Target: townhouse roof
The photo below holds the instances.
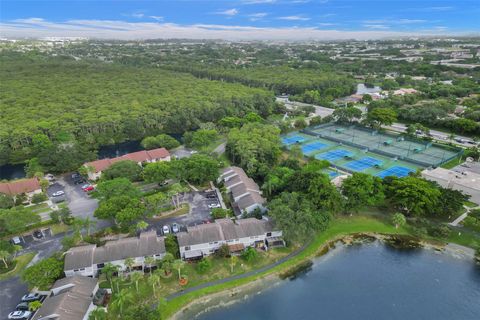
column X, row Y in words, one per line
column 15, row 187
column 239, row 184
column 223, row 230
column 250, row 199
column 147, row 244
column 70, row 303
column 139, row 156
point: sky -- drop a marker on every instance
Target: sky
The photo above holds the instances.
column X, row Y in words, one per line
column 238, row 19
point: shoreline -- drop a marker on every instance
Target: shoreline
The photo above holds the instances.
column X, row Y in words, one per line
column 239, row 293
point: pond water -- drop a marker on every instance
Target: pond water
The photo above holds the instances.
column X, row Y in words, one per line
column 362, row 89
column 12, row 171
column 370, row 281
column 119, row 149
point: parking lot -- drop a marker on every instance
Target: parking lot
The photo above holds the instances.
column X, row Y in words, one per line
column 199, row 211
column 79, row 202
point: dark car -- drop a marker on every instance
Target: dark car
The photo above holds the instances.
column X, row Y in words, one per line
column 38, row 234
column 22, row 306
column 211, row 195
column 31, row 297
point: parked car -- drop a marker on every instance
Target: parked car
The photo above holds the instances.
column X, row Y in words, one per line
column 19, row 315
column 22, row 306
column 175, row 228
column 58, row 193
column 89, row 188
column 16, row 241
column 79, row 180
column 211, row 195
column 31, row 297
column 214, row 205
column 166, row 229
column 86, row 185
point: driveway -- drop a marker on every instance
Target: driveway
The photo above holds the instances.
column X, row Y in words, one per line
column 11, row 292
column 199, row 211
column 80, row 204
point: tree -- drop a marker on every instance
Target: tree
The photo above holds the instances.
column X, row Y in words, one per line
column 154, row 281
column 296, row 152
column 87, row 224
column 198, row 168
column 142, row 225
column 451, row 201
column 361, row 190
column 178, row 265
column 123, row 169
column 203, row 265
column 347, row 114
column 117, row 187
column 4, row 256
column 34, row 305
column 122, row 298
column 219, row 213
column 136, row 277
column 171, row 245
column 109, row 269
column 381, row 116
column 157, row 171
column 129, row 263
column 200, row 138
column 150, row 262
column 250, row 254
column 6, row 201
column 412, row 195
column 233, row 262
column 98, row 314
column 223, row 251
column 14, row 220
column 398, row 220
column 43, row 273
column 167, row 262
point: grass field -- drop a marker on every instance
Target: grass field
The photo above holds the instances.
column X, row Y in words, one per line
column 22, row 262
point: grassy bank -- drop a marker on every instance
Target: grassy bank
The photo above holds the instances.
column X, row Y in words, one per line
column 21, row 263
column 340, row 227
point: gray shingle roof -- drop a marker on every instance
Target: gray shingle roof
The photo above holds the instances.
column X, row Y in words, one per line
column 203, row 233
column 238, row 183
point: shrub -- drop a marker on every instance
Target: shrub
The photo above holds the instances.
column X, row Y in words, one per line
column 223, row 251
column 39, row 197
column 204, row 265
column 55, row 216
column 250, row 254
column 441, row 231
column 219, row 213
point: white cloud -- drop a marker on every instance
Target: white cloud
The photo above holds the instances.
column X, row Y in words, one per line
column 229, row 12
column 257, row 16
column 123, row 30
column 376, row 26
column 294, row 18
column 158, row 18
column 327, row 24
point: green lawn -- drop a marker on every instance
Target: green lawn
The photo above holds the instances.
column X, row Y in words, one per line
column 22, row 262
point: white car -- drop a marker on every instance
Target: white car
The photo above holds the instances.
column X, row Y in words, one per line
column 214, row 205
column 19, row 315
column 166, row 229
column 175, row 228
column 58, row 193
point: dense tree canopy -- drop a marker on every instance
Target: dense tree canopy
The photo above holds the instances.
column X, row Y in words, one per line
column 123, row 169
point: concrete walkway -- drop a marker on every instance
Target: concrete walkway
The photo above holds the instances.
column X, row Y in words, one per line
column 239, row 276
column 455, row 222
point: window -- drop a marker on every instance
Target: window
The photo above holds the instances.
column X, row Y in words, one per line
column 216, row 242
column 187, row 248
column 269, row 234
column 210, row 243
column 100, row 265
column 229, row 241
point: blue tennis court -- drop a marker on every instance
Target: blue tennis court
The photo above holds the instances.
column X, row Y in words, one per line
column 362, row 164
column 314, row 146
column 396, row 171
column 292, row 140
column 334, row 155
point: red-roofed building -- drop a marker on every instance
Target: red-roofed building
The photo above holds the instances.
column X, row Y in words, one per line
column 140, row 157
column 16, row 187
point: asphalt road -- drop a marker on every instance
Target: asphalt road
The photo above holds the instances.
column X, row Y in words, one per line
column 12, row 290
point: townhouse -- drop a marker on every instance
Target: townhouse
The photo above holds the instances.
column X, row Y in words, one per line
column 89, row 260
column 203, row 240
column 69, row 299
column 145, row 156
column 16, row 187
column 244, row 191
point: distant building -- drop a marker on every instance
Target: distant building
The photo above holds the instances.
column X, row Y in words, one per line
column 205, row 239
column 245, row 193
column 140, row 157
column 468, row 182
column 16, row 187
column 404, row 91
column 89, row 260
column 69, row 299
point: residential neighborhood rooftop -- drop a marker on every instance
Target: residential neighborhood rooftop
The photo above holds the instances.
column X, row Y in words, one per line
column 19, row 186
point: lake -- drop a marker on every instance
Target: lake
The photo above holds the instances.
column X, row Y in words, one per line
column 369, row 281
column 12, row 171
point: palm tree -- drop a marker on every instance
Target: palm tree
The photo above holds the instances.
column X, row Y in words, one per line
column 109, row 269
column 178, row 265
column 135, row 277
column 78, row 226
column 142, row 225
column 87, row 224
column 167, row 262
column 4, row 255
column 150, row 261
column 233, row 262
column 154, row 281
column 129, row 262
column 121, row 298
